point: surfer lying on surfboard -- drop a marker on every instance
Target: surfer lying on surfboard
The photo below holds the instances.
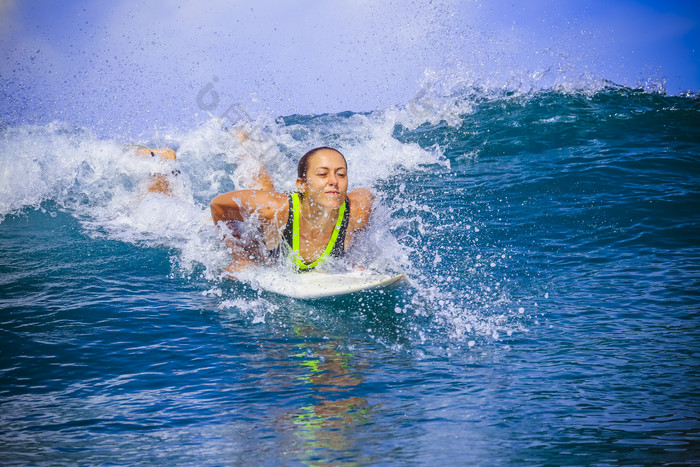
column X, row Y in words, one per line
column 317, row 221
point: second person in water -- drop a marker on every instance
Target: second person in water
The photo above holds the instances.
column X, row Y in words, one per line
column 319, row 220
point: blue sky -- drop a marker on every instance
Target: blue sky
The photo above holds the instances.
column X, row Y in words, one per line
column 127, row 65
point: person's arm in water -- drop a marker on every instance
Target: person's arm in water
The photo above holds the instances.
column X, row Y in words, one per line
column 242, row 210
column 257, row 207
column 261, row 179
column 241, row 205
column 244, row 205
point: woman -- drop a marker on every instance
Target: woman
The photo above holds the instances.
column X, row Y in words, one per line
column 318, row 221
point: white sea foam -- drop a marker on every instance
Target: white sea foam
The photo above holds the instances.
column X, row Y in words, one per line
column 104, row 185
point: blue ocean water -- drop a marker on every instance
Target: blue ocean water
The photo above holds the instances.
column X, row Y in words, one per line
column 551, row 238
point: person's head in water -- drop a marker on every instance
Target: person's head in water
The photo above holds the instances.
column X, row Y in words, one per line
column 322, row 176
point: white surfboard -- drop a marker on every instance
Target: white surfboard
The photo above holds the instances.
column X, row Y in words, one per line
column 316, row 284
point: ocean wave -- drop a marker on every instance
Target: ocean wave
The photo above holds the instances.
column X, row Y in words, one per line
column 449, row 168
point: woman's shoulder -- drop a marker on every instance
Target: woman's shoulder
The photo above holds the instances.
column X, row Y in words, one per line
column 361, row 197
column 361, row 200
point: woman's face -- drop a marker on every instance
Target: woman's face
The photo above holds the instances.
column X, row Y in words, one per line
column 326, row 181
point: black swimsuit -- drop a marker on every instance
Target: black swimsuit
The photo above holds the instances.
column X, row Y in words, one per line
column 338, row 250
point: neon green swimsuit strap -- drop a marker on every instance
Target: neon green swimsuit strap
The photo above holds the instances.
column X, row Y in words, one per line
column 296, row 207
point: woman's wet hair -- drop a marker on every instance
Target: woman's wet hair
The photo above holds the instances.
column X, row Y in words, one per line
column 303, row 166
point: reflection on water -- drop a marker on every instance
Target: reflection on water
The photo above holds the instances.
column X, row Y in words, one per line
column 323, row 430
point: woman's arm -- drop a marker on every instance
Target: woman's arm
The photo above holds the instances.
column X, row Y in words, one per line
column 266, row 209
column 243, row 204
column 260, row 177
